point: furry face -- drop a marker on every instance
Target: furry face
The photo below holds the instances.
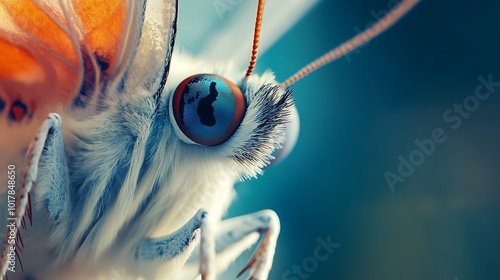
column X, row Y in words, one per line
column 113, row 186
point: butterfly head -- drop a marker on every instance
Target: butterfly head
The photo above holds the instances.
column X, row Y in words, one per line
column 250, row 118
column 211, row 109
column 227, row 115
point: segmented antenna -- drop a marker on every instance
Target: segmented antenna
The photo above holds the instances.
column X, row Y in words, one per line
column 256, row 38
column 360, row 39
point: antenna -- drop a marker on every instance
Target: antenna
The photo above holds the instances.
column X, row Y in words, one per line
column 382, row 25
column 256, row 38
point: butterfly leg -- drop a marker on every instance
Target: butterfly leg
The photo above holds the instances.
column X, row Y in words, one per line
column 44, row 159
column 265, row 222
column 174, row 245
column 53, row 179
column 237, row 234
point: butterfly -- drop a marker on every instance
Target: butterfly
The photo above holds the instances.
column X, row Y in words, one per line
column 132, row 149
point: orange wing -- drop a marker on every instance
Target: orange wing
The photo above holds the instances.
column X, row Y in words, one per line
column 53, row 57
column 39, row 61
column 62, row 55
column 47, row 53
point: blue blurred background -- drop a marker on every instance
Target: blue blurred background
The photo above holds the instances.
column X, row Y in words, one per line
column 357, row 117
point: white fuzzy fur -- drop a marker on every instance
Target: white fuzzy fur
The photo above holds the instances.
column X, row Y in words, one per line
column 190, row 177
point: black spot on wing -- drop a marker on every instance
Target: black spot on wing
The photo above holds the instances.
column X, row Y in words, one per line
column 102, row 61
column 2, row 105
column 17, row 111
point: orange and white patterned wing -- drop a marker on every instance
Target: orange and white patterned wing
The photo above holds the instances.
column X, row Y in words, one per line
column 58, row 55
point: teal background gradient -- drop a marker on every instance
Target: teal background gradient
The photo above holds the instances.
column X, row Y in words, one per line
column 358, row 116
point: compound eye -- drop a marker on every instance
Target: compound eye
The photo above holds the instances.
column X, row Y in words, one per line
column 208, row 109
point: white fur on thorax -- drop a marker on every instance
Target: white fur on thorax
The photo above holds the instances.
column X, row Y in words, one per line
column 191, row 176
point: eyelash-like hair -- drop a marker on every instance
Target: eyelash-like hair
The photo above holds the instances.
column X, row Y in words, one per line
column 269, row 111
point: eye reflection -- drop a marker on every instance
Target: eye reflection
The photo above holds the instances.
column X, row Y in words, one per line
column 208, row 109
